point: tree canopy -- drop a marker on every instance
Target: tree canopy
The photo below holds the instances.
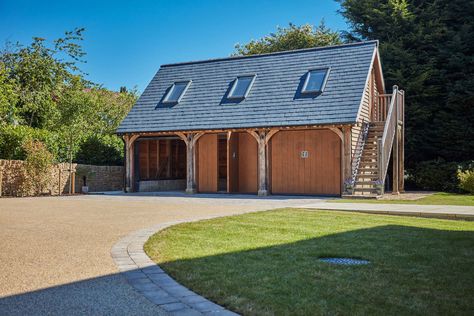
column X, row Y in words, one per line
column 426, row 48
column 291, row 37
column 44, row 95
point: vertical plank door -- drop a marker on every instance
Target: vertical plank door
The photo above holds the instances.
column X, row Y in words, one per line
column 207, row 163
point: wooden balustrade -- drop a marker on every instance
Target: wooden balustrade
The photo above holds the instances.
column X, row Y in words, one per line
column 381, row 107
column 392, row 138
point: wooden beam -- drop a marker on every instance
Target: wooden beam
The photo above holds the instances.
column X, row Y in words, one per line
column 338, row 132
column 269, row 128
column 183, row 137
column 270, row 134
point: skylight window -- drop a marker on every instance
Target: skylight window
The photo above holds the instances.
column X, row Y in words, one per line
column 315, row 81
column 241, row 87
column 177, row 91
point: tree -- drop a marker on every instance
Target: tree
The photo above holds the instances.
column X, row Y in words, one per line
column 41, row 70
column 44, row 96
column 291, row 37
column 8, row 97
column 427, row 49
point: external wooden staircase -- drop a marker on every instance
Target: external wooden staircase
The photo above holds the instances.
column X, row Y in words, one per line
column 367, row 175
column 379, row 140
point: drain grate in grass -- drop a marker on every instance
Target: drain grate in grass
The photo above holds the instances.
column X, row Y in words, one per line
column 345, row 261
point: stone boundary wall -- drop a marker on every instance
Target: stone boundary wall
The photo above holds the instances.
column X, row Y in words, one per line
column 99, row 178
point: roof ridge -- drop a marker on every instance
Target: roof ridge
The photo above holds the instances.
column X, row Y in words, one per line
column 376, row 42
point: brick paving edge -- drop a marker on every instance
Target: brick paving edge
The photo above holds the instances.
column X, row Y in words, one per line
column 147, row 278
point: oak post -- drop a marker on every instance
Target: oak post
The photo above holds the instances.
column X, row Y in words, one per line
column 262, row 164
column 190, row 164
column 190, row 140
column 129, row 140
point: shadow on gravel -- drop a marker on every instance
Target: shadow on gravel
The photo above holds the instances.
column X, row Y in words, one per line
column 106, row 295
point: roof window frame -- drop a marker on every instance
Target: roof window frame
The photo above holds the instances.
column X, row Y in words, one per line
column 166, row 98
column 247, row 91
column 323, row 84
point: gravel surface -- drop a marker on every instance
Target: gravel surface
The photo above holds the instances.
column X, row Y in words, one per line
column 55, row 251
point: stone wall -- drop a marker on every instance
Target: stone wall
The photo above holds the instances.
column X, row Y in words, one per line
column 99, row 178
column 162, row 185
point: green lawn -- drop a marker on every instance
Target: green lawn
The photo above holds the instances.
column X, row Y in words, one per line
column 267, row 263
column 434, row 199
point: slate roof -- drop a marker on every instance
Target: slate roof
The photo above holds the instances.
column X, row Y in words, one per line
column 274, row 99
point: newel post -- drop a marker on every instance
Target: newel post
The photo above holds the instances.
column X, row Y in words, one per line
column 395, row 158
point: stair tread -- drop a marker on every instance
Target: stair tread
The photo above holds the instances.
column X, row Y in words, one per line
column 365, row 182
column 365, row 190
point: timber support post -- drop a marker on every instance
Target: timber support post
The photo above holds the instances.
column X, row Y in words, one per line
column 263, row 137
column 262, row 164
column 190, row 140
column 129, row 163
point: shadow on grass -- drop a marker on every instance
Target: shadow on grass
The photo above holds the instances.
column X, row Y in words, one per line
column 412, row 271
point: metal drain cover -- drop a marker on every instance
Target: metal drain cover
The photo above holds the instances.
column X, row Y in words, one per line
column 345, row 261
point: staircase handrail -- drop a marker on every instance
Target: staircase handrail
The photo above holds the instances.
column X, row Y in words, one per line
column 386, row 142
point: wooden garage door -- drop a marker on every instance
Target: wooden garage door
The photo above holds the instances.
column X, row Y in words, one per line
column 318, row 173
column 207, row 165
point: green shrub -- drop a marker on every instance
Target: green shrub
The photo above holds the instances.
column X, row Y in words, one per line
column 101, row 150
column 12, row 139
column 438, row 175
column 38, row 165
column 466, row 180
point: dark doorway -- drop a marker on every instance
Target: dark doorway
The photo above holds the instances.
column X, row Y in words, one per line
column 222, row 161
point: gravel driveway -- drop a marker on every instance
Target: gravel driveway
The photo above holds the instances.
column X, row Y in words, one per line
column 55, row 251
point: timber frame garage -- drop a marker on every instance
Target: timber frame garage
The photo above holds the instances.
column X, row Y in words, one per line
column 313, row 121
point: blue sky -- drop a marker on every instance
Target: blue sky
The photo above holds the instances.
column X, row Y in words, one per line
column 127, row 41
